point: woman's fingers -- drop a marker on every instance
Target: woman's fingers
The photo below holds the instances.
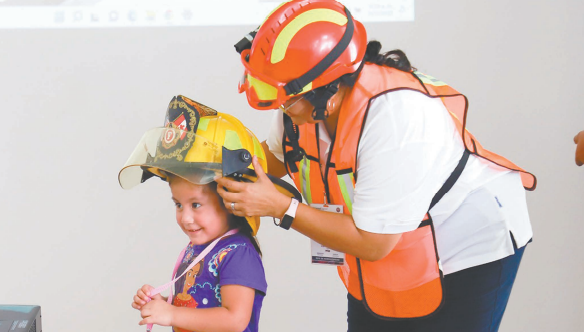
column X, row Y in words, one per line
column 230, row 185
column 249, row 199
column 258, row 168
column 228, row 197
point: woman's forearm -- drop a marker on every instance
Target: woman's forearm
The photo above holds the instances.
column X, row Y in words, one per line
column 338, row 231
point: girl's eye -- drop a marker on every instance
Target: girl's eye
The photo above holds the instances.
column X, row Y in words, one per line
column 178, row 205
column 196, row 205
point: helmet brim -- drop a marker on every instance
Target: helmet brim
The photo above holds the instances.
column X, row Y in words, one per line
column 164, row 150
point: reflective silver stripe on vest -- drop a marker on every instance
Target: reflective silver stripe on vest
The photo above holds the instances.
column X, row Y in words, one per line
column 347, row 186
column 305, row 179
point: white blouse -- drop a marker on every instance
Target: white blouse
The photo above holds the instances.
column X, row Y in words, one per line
column 408, row 149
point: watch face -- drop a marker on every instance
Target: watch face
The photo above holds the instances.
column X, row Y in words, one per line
column 286, row 222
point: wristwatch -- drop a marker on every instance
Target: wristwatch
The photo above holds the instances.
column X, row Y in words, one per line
column 289, row 216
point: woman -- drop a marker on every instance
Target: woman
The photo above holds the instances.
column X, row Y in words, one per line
column 433, row 226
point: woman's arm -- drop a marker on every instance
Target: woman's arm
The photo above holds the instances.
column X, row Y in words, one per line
column 275, row 166
column 233, row 315
column 338, row 231
column 334, row 230
column 339, row 225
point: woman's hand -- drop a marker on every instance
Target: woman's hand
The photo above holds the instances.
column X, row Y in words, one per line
column 158, row 312
column 260, row 198
column 143, row 296
column 579, row 140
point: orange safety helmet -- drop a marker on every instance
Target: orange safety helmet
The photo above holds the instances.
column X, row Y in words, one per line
column 301, row 46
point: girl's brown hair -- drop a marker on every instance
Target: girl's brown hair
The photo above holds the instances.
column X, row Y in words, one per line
column 238, row 222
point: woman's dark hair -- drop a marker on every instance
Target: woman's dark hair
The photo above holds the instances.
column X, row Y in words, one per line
column 395, row 59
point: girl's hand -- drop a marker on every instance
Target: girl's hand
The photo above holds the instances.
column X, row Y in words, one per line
column 158, row 312
column 260, row 198
column 143, row 296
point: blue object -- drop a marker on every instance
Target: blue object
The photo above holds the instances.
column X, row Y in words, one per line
column 25, row 309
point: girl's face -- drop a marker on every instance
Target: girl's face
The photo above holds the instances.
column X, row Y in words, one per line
column 199, row 211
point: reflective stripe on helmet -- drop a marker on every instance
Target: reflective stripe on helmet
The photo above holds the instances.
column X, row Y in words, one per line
column 232, row 140
column 347, row 184
column 203, row 124
column 302, row 20
column 259, row 150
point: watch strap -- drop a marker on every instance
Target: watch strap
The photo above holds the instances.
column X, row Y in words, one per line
column 289, row 216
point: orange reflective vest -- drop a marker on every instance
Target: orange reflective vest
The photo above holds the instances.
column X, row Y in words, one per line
column 407, row 283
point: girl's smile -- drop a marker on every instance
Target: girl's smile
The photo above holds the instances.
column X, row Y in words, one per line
column 200, row 212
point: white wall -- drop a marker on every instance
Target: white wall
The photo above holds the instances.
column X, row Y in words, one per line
column 73, row 104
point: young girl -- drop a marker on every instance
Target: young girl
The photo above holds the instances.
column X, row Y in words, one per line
column 229, row 281
column 225, row 289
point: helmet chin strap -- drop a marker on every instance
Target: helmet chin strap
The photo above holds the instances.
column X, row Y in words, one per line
column 319, row 98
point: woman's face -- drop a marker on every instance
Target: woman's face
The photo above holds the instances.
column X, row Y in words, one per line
column 299, row 110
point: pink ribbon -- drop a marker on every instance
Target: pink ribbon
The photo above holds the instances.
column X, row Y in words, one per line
column 202, row 255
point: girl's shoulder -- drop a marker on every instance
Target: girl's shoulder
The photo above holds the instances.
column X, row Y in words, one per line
column 236, row 241
column 236, row 253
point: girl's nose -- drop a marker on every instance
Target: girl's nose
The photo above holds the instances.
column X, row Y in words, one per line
column 187, row 218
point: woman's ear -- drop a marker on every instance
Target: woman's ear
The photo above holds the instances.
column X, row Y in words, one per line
column 334, row 103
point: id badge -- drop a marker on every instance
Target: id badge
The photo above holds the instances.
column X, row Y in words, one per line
column 320, row 254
